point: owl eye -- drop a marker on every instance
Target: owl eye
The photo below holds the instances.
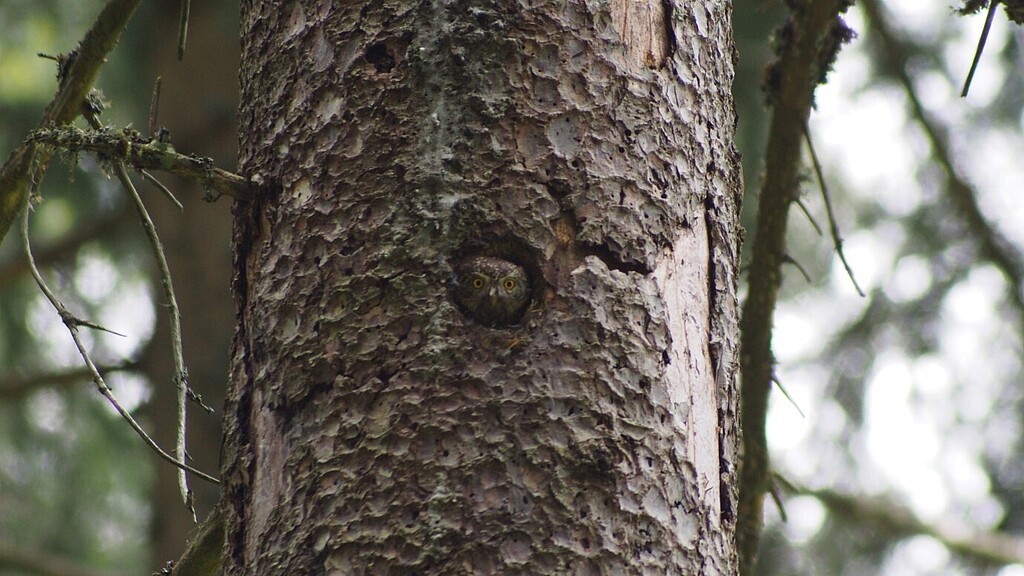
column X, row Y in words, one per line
column 509, row 284
column 478, row 283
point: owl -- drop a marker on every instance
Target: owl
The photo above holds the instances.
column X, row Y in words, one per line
column 492, row 291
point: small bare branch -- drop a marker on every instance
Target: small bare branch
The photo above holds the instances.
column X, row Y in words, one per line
column 186, row 6
column 154, row 106
column 807, row 214
column 779, row 504
column 70, row 318
column 833, row 228
column 792, row 261
column 93, row 370
column 777, row 382
column 13, row 388
column 198, row 399
column 180, row 373
column 981, row 47
column 893, row 517
column 160, row 186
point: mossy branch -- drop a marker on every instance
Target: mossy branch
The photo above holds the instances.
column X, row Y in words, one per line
column 807, row 46
column 129, row 146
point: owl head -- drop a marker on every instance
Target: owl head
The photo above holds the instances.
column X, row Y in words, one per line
column 492, row 291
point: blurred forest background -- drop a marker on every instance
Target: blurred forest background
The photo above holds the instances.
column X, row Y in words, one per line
column 903, row 437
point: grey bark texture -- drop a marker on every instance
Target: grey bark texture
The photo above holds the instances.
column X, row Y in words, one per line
column 372, row 426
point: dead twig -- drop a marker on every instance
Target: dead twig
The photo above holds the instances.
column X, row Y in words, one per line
column 16, row 387
column 803, row 208
column 180, row 373
column 981, row 47
column 186, row 6
column 833, row 228
column 94, row 373
column 893, row 517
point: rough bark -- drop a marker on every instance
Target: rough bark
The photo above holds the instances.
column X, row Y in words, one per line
column 371, row 426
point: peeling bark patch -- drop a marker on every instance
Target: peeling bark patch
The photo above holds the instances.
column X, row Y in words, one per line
column 613, row 261
column 691, row 373
column 642, row 26
column 322, row 55
column 271, row 454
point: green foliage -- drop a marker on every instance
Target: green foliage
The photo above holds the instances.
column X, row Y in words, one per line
column 73, row 486
column 29, row 28
column 74, row 480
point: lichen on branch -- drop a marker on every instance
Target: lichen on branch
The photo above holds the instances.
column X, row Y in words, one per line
column 129, row 146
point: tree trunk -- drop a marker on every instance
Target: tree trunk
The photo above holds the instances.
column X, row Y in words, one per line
column 384, row 420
